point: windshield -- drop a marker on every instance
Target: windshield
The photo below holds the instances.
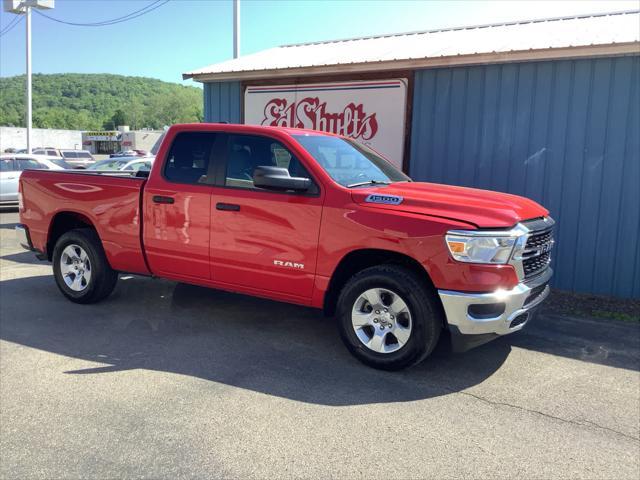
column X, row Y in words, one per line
column 349, row 163
column 61, row 163
column 107, row 165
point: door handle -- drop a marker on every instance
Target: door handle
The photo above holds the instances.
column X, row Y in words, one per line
column 229, row 207
column 162, row 199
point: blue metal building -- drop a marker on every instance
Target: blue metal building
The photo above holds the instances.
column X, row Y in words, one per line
column 545, row 109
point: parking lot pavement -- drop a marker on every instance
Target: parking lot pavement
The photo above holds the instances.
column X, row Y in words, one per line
column 170, row 380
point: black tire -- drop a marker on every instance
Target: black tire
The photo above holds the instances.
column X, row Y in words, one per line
column 426, row 315
column 103, row 278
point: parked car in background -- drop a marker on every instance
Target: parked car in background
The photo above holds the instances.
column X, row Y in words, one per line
column 11, row 166
column 49, row 151
column 75, row 158
column 52, row 163
column 130, row 153
column 78, row 158
column 123, row 153
column 124, row 164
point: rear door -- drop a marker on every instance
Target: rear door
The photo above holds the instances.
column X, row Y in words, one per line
column 9, row 177
column 177, row 208
column 263, row 240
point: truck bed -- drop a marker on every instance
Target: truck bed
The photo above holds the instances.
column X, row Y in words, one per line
column 110, row 201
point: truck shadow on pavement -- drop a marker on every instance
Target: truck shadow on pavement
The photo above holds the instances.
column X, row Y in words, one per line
column 264, row 346
column 269, row 347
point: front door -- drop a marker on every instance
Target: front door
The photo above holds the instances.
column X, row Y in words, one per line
column 177, row 206
column 263, row 240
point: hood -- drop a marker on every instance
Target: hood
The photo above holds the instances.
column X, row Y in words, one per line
column 483, row 208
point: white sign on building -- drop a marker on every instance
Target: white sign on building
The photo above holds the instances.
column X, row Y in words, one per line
column 371, row 112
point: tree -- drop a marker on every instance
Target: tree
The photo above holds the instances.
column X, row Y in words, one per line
column 94, row 101
column 118, row 118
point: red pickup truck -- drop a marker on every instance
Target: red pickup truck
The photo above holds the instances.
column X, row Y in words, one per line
column 303, row 217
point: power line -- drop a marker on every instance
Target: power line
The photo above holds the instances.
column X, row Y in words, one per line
column 130, row 16
column 11, row 25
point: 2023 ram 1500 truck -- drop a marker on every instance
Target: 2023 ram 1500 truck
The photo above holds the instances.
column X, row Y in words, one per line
column 302, row 217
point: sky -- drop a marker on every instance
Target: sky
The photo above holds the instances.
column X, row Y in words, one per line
column 183, row 35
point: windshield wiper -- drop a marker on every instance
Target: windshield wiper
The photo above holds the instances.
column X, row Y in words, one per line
column 368, row 182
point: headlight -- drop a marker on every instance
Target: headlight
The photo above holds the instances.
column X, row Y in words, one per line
column 475, row 247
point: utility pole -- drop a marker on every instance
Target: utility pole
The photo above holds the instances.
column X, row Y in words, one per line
column 20, row 7
column 236, row 28
column 29, row 109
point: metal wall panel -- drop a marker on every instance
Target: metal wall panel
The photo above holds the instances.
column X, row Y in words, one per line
column 222, row 102
column 564, row 133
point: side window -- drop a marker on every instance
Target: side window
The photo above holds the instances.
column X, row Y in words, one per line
column 28, row 164
column 189, row 157
column 6, row 165
column 247, row 152
column 69, row 155
column 52, row 153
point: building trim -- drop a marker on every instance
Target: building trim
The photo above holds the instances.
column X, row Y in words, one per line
column 590, row 51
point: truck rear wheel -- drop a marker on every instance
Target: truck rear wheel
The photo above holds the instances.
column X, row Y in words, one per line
column 388, row 318
column 80, row 267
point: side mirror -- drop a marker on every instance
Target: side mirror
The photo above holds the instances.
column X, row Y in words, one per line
column 277, row 178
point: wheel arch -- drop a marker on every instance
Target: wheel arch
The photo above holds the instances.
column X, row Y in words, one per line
column 357, row 260
column 63, row 222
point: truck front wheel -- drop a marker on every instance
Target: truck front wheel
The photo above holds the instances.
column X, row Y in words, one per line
column 388, row 318
column 80, row 267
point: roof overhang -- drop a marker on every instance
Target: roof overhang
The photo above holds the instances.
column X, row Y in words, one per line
column 589, row 51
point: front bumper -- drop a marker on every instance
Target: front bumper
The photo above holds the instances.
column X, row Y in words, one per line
column 484, row 316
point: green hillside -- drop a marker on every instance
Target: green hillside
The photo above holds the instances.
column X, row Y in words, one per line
column 95, row 101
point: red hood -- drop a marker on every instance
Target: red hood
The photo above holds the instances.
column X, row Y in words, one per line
column 483, row 208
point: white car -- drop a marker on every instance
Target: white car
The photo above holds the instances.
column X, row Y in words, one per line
column 52, row 163
column 12, row 165
column 124, row 164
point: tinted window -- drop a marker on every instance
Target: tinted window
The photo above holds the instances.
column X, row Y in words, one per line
column 350, row 163
column 53, row 153
column 188, row 159
column 84, row 155
column 69, row 154
column 6, row 165
column 247, row 152
column 28, row 164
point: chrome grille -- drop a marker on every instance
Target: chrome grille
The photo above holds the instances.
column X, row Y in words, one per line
column 535, row 265
column 538, row 239
column 536, row 256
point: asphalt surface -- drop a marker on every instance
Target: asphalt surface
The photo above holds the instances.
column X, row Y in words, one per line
column 166, row 380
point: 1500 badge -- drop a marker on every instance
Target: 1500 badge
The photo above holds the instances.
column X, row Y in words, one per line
column 385, row 199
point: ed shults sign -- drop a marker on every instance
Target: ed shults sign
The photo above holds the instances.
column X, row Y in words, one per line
column 371, row 112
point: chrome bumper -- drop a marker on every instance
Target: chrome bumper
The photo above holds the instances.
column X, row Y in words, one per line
column 22, row 235
column 514, row 316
